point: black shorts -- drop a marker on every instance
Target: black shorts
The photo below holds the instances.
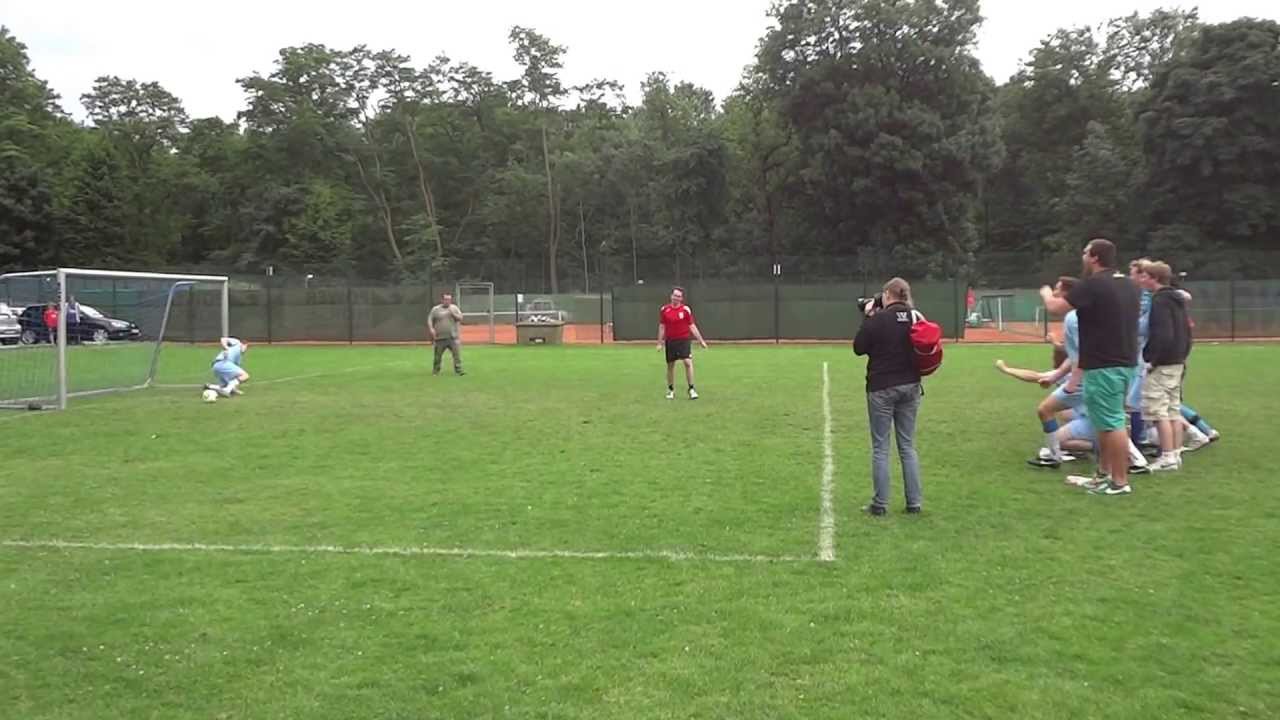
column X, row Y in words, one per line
column 678, row 350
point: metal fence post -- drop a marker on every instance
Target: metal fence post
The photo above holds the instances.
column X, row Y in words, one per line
column 351, row 313
column 601, row 317
column 268, row 286
column 959, row 304
column 1231, row 294
column 777, row 322
column 191, row 315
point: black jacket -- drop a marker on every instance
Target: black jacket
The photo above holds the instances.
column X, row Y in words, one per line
column 886, row 339
column 1169, row 333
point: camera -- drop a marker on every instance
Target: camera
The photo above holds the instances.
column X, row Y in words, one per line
column 877, row 302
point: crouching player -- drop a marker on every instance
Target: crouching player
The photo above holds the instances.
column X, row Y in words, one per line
column 226, row 368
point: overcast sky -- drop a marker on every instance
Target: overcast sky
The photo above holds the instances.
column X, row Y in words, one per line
column 197, row 50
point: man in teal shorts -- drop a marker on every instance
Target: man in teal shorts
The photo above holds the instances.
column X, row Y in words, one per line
column 1106, row 304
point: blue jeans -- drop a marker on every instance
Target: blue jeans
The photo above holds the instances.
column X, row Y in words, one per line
column 897, row 407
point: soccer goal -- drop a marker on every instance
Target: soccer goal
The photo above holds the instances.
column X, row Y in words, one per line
column 86, row 332
column 475, row 300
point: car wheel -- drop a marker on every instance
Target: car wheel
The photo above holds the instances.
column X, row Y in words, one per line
column 100, row 336
column 29, row 337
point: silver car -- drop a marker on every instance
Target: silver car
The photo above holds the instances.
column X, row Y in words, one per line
column 10, row 331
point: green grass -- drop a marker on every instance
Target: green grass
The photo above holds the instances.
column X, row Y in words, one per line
column 1012, row 596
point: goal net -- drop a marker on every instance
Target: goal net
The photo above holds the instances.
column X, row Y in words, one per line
column 85, row 332
column 475, row 300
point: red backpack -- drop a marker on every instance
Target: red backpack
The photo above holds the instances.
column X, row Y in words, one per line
column 926, row 340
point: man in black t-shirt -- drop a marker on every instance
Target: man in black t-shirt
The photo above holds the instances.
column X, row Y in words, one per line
column 1106, row 304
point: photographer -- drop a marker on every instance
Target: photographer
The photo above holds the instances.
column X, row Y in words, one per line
column 893, row 390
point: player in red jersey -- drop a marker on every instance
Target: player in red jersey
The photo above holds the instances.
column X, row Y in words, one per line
column 675, row 328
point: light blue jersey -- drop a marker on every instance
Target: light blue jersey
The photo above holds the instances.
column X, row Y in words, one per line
column 226, row 365
column 1071, row 337
column 1144, row 322
column 1133, row 399
column 231, row 353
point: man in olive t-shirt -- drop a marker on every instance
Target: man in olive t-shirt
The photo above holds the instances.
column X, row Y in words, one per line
column 442, row 323
column 1106, row 305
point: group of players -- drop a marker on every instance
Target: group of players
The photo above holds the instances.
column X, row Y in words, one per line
column 1158, row 422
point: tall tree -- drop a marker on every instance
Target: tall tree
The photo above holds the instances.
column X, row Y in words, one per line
column 540, row 89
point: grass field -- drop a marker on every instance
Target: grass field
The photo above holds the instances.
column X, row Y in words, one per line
column 547, row 537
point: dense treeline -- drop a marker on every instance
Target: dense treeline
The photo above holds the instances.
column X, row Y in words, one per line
column 863, row 128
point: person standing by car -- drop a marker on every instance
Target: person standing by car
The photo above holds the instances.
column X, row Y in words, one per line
column 894, row 391
column 51, row 322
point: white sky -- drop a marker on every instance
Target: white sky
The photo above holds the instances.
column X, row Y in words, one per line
column 197, row 50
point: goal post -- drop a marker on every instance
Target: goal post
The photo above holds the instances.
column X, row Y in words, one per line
column 475, row 298
column 111, row 328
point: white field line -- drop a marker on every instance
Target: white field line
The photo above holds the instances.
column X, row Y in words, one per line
column 16, row 414
column 407, row 551
column 827, row 523
column 292, row 378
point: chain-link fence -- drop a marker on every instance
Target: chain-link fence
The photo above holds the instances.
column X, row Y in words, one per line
column 987, row 298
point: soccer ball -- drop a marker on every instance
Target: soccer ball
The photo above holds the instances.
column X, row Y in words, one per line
column 210, row 395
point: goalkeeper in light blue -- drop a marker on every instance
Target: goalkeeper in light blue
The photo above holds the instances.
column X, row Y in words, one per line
column 226, row 367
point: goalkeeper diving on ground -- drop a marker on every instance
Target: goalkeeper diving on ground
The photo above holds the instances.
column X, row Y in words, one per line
column 226, row 368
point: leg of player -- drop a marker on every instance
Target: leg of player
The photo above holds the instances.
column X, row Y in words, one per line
column 1190, row 415
column 1133, row 405
column 233, row 385
column 1194, row 438
column 1079, row 433
column 440, row 346
column 1047, row 413
column 688, row 376
column 455, row 351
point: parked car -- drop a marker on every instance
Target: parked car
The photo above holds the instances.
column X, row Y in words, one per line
column 92, row 327
column 10, row 330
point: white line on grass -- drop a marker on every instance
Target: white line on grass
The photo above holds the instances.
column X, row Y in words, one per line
column 827, row 523
column 291, row 378
column 167, row 386
column 408, row 551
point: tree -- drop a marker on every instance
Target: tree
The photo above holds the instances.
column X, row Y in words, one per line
column 540, row 89
column 28, row 108
column 1211, row 136
column 894, row 118
column 26, row 214
column 331, row 96
column 142, row 118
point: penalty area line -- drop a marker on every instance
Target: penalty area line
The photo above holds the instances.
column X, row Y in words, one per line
column 406, row 551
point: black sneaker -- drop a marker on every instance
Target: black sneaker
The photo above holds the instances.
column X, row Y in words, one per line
column 1139, row 469
column 875, row 510
column 1044, row 462
column 460, row 372
column 913, row 509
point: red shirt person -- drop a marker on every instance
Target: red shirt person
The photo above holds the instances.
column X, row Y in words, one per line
column 676, row 327
column 51, row 322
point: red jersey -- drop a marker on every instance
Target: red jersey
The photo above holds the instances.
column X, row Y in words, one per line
column 676, row 321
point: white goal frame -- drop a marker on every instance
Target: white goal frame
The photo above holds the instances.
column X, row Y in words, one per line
column 485, row 288
column 63, row 274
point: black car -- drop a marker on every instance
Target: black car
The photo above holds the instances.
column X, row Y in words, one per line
column 92, row 326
